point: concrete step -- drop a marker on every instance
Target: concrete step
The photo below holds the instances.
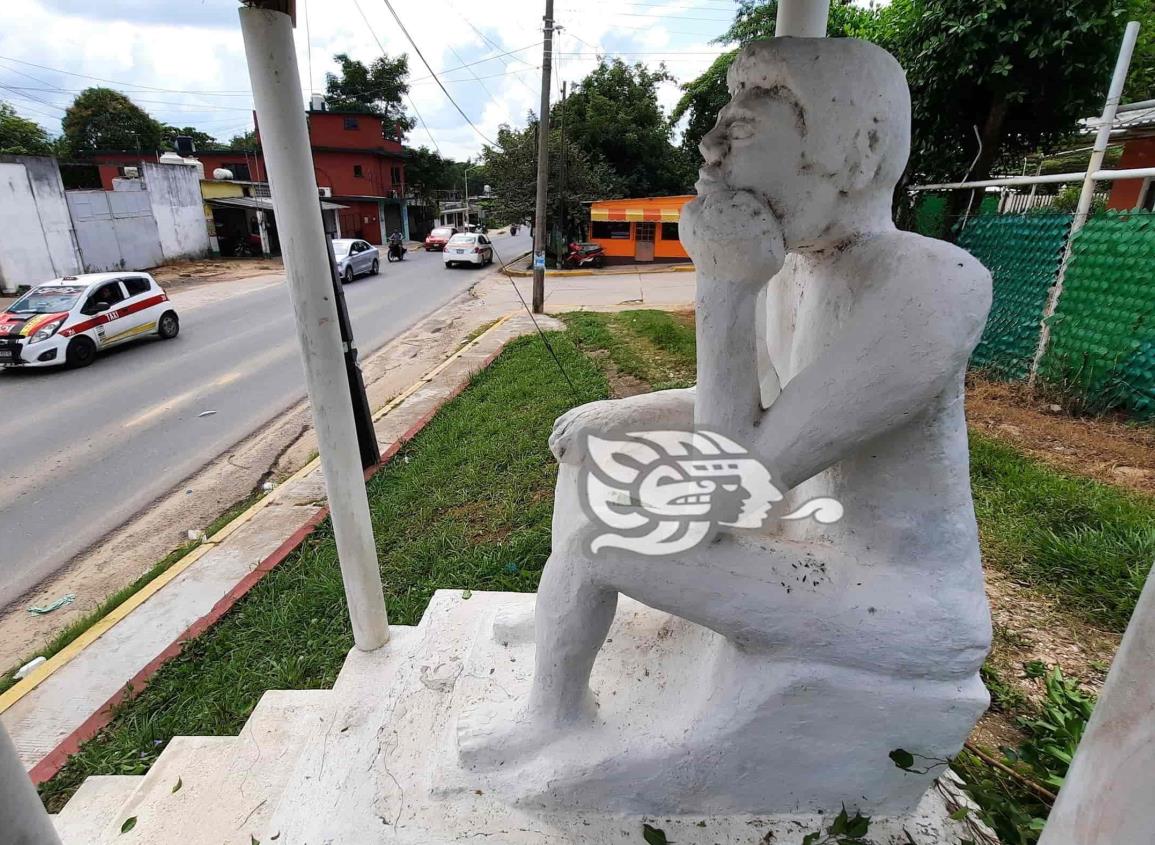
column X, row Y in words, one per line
column 228, row 786
column 92, row 807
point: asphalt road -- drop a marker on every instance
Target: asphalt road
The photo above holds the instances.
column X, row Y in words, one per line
column 83, row 451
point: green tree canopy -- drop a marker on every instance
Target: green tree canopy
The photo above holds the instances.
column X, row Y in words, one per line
column 427, row 172
column 104, row 119
column 511, row 171
column 20, row 136
column 614, row 115
column 376, row 88
column 243, row 141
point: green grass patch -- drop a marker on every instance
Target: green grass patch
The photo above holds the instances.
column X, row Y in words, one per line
column 1085, row 542
column 653, row 346
column 466, row 504
column 77, row 627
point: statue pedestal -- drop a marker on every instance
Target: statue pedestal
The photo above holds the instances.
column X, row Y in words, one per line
column 385, row 767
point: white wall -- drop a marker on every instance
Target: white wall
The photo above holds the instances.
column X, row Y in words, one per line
column 115, row 230
column 174, row 192
column 36, row 238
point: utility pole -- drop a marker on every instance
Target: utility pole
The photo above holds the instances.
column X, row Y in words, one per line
column 562, row 163
column 267, row 30
column 542, row 166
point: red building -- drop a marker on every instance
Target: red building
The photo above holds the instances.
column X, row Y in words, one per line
column 358, row 161
column 1136, row 129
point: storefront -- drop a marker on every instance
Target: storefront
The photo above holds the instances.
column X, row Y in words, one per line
column 639, row 230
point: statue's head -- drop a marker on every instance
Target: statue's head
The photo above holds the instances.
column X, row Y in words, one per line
column 819, row 128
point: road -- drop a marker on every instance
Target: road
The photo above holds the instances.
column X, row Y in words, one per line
column 83, row 451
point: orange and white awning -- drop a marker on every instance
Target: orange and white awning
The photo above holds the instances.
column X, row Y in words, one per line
column 640, row 215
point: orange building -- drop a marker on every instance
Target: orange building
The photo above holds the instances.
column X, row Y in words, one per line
column 639, row 230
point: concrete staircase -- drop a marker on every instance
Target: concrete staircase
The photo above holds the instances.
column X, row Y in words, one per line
column 374, row 759
column 214, row 790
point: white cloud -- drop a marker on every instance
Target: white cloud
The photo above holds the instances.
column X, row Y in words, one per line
column 185, row 63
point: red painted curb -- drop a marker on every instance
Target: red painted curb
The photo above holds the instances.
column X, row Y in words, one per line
column 54, row 761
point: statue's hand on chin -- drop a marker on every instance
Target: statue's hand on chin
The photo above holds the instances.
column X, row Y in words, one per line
column 733, row 236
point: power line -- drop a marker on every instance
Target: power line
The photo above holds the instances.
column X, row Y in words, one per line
column 14, row 92
column 444, row 90
column 412, row 104
column 477, row 62
column 169, row 103
column 127, row 84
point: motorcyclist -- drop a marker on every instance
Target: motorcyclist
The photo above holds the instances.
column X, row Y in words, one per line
column 397, row 245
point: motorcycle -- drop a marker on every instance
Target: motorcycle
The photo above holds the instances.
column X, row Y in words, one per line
column 396, row 252
column 583, row 255
column 513, row 229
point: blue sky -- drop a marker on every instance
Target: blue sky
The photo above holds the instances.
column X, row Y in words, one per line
column 184, row 63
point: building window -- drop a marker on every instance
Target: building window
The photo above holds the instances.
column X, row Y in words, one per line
column 1147, row 195
column 669, row 231
column 240, row 171
column 357, row 171
column 610, row 230
column 395, row 174
column 350, row 123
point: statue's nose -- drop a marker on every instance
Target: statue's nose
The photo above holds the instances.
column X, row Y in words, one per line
column 713, row 145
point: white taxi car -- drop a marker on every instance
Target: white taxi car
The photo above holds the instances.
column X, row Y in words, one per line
column 68, row 320
column 468, row 248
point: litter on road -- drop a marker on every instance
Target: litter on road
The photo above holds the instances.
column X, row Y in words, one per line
column 56, row 605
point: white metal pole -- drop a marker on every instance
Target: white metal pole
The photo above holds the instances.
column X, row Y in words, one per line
column 23, row 819
column 802, row 18
column 1107, row 120
column 276, row 84
column 1106, row 797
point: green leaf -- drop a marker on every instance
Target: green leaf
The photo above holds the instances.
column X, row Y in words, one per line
column 654, row 835
column 253, row 840
column 811, row 838
column 128, row 825
column 176, row 786
column 960, row 814
column 858, row 826
column 467, row 594
column 841, row 822
column 902, row 758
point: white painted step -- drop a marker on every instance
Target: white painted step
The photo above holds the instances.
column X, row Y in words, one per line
column 228, row 785
column 92, row 807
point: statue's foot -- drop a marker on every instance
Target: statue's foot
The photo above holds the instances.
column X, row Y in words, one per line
column 496, row 735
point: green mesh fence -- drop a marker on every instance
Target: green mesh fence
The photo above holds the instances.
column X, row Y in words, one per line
column 1102, row 345
column 1023, row 252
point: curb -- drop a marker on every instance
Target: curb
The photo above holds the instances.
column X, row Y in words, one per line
column 605, row 271
column 55, row 759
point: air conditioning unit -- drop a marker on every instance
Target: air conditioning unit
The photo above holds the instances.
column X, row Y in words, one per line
column 325, row 192
column 131, row 172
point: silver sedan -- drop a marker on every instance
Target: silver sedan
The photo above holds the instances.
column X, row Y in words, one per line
column 355, row 258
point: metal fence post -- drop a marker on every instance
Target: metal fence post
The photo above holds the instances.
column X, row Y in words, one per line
column 1087, row 195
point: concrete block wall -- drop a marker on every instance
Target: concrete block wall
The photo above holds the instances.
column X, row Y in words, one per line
column 38, row 241
column 174, row 192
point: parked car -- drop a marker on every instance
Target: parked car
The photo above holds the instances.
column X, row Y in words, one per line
column 68, row 320
column 439, row 237
column 355, row 258
column 468, row 249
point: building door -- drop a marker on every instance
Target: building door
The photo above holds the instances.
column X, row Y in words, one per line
column 644, row 242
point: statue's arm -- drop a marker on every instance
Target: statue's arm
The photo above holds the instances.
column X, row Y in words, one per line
column 663, row 409
column 908, row 345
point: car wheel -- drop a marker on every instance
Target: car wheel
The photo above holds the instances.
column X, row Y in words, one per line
column 81, row 352
column 347, row 276
column 373, row 270
column 169, row 325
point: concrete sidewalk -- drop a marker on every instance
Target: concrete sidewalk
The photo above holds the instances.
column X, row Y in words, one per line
column 68, row 699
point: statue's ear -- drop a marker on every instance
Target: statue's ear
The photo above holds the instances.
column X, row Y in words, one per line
column 863, row 158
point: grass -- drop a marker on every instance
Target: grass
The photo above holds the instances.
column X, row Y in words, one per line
column 1086, row 542
column 74, row 629
column 467, row 505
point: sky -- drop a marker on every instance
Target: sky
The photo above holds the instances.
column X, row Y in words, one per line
column 184, row 62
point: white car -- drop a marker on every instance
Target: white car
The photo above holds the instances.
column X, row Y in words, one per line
column 355, row 258
column 68, row 320
column 468, row 248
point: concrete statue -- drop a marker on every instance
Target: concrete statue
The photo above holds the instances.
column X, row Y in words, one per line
column 792, row 656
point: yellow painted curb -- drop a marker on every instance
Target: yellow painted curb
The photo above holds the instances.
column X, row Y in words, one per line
column 45, row 670
column 608, row 271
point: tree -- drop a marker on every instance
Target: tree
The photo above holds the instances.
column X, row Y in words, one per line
column 705, row 96
column 614, row 115
column 244, row 141
column 202, row 140
column 376, row 88
column 20, row 136
column 427, row 172
column 104, row 119
column 1023, row 74
column 511, row 170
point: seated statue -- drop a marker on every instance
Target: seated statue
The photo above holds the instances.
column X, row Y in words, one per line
column 832, row 348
